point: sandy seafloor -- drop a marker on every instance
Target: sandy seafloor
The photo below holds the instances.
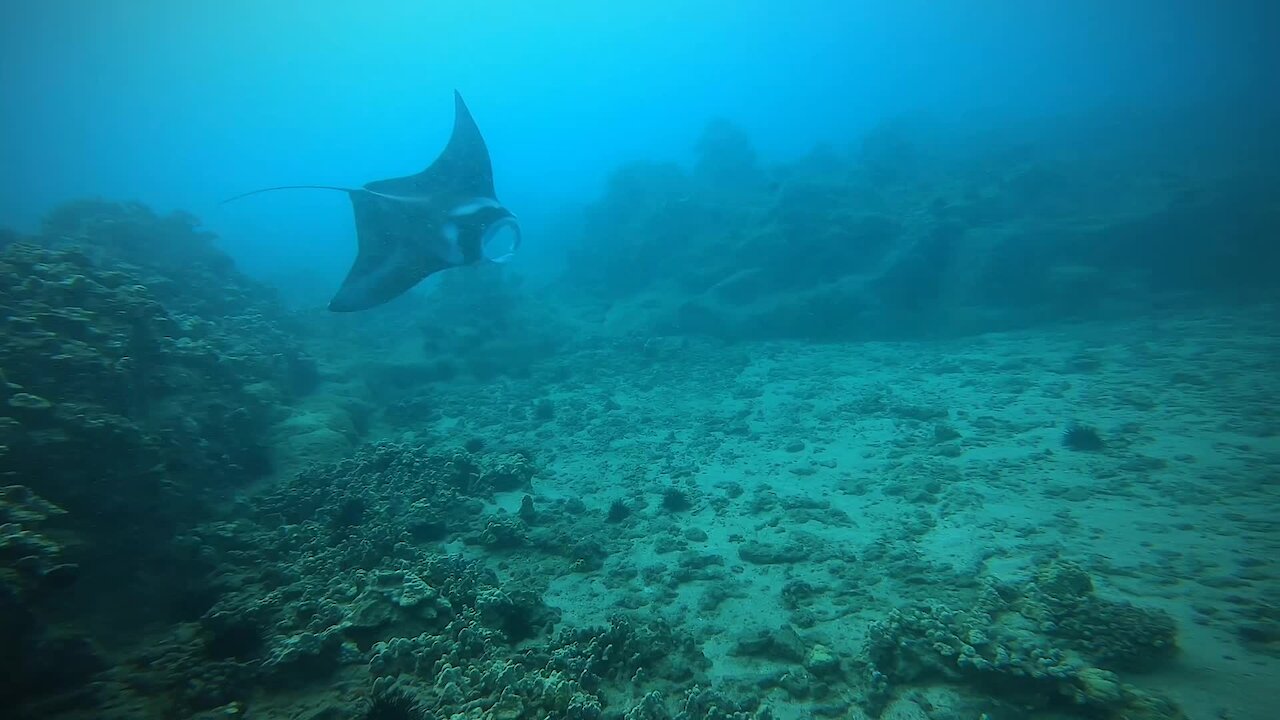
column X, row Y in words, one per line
column 1179, row 512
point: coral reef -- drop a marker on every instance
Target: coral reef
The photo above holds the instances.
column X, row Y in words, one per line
column 166, row 372
column 349, row 559
column 1113, row 635
column 138, row 373
column 342, row 568
column 1052, row 645
column 29, row 556
column 918, row 232
column 577, row 675
column 36, row 659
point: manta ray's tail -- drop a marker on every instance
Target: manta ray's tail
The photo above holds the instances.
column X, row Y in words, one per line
column 286, row 187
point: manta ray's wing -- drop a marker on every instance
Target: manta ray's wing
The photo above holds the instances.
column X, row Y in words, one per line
column 462, row 170
column 397, row 247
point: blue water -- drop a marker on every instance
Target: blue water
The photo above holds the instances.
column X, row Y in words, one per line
column 178, row 106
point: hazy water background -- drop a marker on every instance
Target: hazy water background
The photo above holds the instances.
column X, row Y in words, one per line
column 179, row 105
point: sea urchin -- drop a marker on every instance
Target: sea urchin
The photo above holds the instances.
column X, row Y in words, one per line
column 1082, row 438
column 618, row 511
column 394, row 704
column 675, row 500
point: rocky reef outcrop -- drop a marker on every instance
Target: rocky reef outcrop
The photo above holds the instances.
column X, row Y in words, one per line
column 1053, row 644
column 920, row 231
column 138, row 373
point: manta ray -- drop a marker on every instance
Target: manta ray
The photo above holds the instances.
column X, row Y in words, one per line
column 410, row 227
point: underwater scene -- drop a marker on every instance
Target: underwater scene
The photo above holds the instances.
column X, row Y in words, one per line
column 641, row 361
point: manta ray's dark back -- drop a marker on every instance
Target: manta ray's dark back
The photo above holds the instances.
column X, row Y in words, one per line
column 410, row 227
